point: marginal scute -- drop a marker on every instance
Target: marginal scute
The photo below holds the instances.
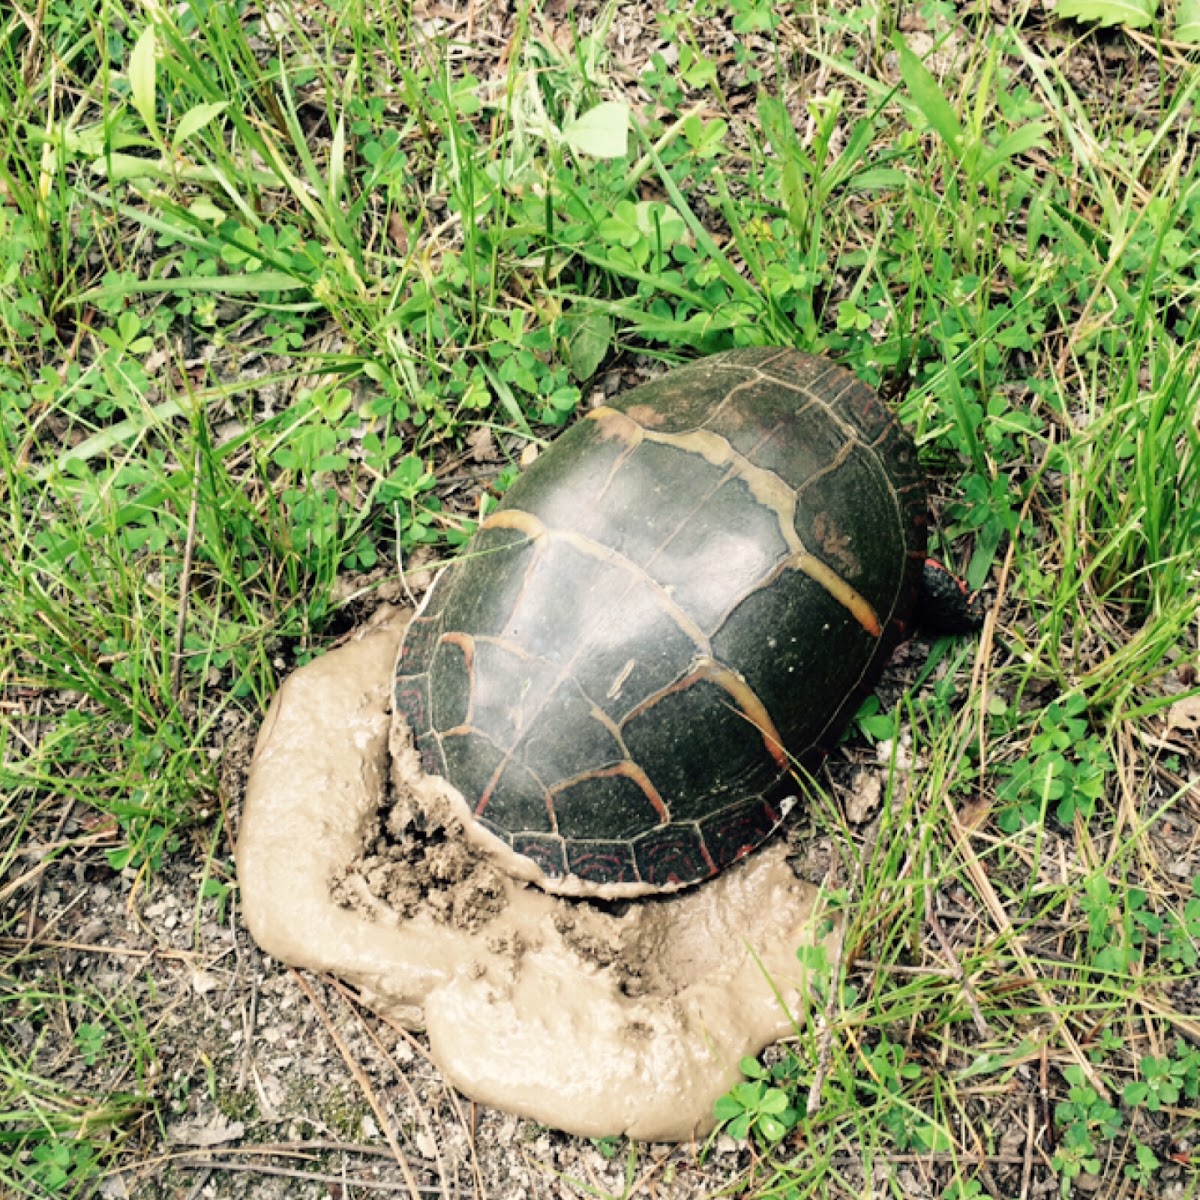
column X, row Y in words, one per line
column 734, row 832
column 673, row 854
column 548, row 853
column 602, row 861
column 452, row 665
column 681, row 601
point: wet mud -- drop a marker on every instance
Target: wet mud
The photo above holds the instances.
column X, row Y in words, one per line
column 597, row 1017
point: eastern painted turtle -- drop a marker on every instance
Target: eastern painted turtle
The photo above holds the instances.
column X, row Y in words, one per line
column 693, row 587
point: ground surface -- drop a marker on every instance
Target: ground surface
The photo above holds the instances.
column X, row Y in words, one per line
column 1006, row 983
column 280, row 1084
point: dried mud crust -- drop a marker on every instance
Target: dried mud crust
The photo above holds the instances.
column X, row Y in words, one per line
column 418, row 862
column 408, row 867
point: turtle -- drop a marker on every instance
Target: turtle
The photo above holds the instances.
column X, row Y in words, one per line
column 678, row 604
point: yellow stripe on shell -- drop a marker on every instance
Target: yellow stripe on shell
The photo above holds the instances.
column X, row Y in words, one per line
column 527, row 523
column 745, row 701
column 765, row 486
column 626, row 769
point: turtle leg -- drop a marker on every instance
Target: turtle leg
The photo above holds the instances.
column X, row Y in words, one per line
column 945, row 605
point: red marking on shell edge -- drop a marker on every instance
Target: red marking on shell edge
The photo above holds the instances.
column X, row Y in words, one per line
column 943, row 570
column 486, row 795
column 774, row 746
column 410, row 703
column 464, row 641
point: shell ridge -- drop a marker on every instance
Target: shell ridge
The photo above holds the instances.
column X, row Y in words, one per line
column 489, row 790
column 601, row 717
column 597, row 550
column 911, row 555
column 873, row 450
column 548, row 535
column 524, row 522
column 730, row 396
column 839, row 460
column 613, row 423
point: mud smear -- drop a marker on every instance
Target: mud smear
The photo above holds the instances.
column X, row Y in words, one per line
column 596, row 1018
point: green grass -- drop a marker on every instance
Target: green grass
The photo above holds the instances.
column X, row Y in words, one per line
column 260, row 285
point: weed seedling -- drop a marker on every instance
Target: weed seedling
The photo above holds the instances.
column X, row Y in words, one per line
column 761, row 1106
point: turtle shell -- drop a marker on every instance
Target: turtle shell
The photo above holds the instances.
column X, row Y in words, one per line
column 682, row 598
